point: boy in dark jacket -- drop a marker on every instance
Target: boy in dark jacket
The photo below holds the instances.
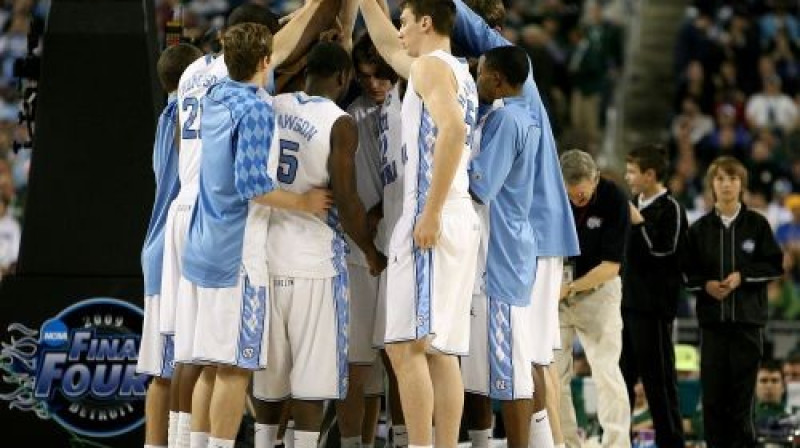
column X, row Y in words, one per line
column 651, row 287
column 731, row 257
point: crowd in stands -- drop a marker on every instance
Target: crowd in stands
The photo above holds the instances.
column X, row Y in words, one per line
column 737, row 65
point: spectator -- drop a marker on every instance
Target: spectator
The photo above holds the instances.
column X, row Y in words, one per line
column 769, row 392
column 697, row 84
column 694, row 42
column 588, row 67
column 791, row 367
column 785, row 53
column 692, row 119
column 779, row 19
column 743, row 47
column 731, row 257
column 9, row 238
column 771, row 108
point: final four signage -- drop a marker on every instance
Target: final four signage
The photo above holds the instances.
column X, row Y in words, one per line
column 79, row 368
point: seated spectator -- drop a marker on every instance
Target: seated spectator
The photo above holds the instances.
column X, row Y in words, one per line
column 697, row 84
column 770, row 406
column 791, row 367
column 692, row 120
column 771, row 108
column 728, row 139
column 687, row 367
column 779, row 19
column 641, row 419
column 728, row 92
column 762, row 168
column 785, row 53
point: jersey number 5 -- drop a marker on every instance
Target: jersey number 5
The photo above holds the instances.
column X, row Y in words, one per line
column 287, row 170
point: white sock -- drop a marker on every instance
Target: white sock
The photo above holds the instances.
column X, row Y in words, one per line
column 350, row 442
column 266, row 435
column 172, row 432
column 198, row 439
column 480, row 437
column 306, row 439
column 399, row 436
column 288, row 435
column 214, row 442
column 184, row 427
column 541, row 436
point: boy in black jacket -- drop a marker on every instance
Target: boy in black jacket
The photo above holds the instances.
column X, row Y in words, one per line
column 651, row 286
column 731, row 257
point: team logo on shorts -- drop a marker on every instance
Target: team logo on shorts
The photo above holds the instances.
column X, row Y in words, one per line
column 248, row 352
column 748, row 246
column 79, row 368
column 594, row 222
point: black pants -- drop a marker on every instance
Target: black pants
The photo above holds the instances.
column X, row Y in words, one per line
column 729, row 358
column 647, row 353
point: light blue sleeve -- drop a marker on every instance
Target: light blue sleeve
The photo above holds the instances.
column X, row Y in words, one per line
column 489, row 169
column 472, row 34
column 253, row 137
column 475, row 37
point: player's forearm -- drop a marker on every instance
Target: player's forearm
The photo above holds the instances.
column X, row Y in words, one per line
column 283, row 199
column 292, row 41
column 354, row 222
column 347, row 17
column 384, row 36
column 446, row 161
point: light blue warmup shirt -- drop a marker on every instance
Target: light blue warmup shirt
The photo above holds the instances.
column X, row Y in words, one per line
column 165, row 168
column 237, row 129
column 551, row 214
column 500, row 176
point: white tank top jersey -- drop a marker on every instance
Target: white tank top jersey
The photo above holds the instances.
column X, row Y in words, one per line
column 392, row 164
column 419, row 138
column 299, row 244
column 192, row 87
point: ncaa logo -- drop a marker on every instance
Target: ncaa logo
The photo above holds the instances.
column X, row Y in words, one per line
column 500, row 385
column 248, row 352
column 748, row 246
column 594, row 222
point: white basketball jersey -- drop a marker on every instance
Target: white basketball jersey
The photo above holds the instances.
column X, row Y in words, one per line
column 419, row 138
column 392, row 163
column 299, row 244
column 194, row 83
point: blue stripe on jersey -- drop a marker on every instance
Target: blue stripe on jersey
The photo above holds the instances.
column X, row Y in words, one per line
column 501, row 379
column 168, row 356
column 305, row 99
column 165, row 168
column 423, row 258
column 251, row 328
column 341, row 286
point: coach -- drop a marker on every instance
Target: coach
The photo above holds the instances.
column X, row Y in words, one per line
column 591, row 296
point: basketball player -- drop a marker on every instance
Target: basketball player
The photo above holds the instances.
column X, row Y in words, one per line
column 198, row 77
column 391, row 207
column 434, row 245
column 306, row 254
column 358, row 413
column 156, row 352
column 501, row 180
column 554, row 229
column 226, row 242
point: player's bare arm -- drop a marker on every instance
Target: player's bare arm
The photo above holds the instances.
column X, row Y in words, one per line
column 435, row 83
column 316, row 201
column 341, row 165
column 385, row 37
column 296, row 36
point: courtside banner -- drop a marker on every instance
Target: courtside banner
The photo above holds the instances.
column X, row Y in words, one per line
column 68, row 356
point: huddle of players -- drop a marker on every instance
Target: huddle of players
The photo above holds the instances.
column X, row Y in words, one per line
column 255, row 277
